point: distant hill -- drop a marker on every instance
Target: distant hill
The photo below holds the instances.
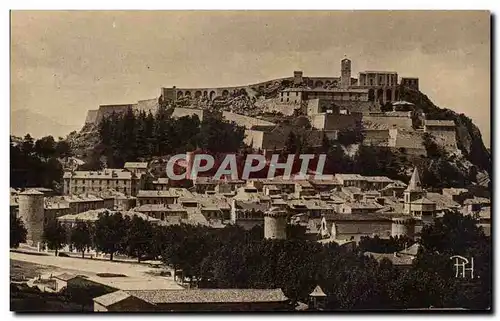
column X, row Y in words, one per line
column 37, row 125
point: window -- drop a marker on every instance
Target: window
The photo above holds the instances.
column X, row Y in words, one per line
column 288, row 99
column 282, row 99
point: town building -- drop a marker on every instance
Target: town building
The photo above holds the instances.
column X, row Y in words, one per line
column 193, row 300
column 120, row 180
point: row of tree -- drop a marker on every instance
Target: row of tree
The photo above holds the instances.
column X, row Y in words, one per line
column 35, row 163
column 234, row 258
column 131, row 136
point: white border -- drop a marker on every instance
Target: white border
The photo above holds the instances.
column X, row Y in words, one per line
column 213, row 5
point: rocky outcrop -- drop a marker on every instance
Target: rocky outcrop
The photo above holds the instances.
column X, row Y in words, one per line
column 469, row 139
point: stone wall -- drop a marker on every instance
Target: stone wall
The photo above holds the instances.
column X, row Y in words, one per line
column 445, row 138
column 181, row 112
column 147, row 106
column 275, row 227
column 91, row 116
column 388, row 120
column 107, row 110
column 245, row 121
column 376, row 137
column 31, row 212
column 412, row 141
column 335, row 122
column 273, row 105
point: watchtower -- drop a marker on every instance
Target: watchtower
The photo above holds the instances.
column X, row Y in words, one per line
column 31, row 212
column 275, row 223
column 345, row 73
column 403, row 226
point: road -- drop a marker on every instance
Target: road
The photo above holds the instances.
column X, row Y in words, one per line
column 138, row 275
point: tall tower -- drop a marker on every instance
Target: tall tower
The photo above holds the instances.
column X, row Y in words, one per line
column 31, row 212
column 275, row 224
column 413, row 192
column 345, row 73
column 403, row 226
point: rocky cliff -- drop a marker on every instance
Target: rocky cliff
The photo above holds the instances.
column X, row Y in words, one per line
column 469, row 139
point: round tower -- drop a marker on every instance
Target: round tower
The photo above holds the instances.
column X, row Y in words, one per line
column 31, row 212
column 345, row 73
column 403, row 226
column 275, row 224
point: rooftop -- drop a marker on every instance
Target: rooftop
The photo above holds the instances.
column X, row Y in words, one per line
column 138, row 165
column 109, row 173
column 93, row 215
column 433, row 122
column 209, row 295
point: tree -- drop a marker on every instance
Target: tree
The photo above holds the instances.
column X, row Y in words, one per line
column 17, row 232
column 291, row 144
column 456, row 234
column 63, row 149
column 54, row 236
column 431, row 147
column 45, row 147
column 386, row 107
column 140, row 238
column 81, row 237
column 110, row 233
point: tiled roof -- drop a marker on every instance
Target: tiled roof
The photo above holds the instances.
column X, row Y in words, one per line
column 248, row 206
column 363, row 205
column 209, row 295
column 93, row 215
column 359, row 217
column 477, row 200
column 412, row 250
column 395, row 259
column 65, row 276
column 112, row 298
column 442, row 202
column 171, row 192
column 423, row 200
column 380, row 179
column 382, row 229
column 317, row 291
column 139, row 165
column 109, row 173
column 349, row 177
column 415, row 183
column 31, row 192
column 432, row 122
column 161, row 180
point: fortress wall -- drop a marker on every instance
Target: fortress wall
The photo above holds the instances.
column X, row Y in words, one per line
column 91, row 116
column 245, row 121
column 107, row 110
column 254, row 138
column 181, row 112
column 389, row 121
column 445, row 138
column 173, row 93
column 341, row 121
column 147, row 106
column 273, row 105
column 376, row 136
column 411, row 141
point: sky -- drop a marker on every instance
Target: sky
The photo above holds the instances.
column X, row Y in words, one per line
column 64, row 63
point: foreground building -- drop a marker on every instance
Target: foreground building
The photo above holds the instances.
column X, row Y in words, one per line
column 193, row 300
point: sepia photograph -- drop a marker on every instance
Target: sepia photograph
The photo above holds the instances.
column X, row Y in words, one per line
column 250, row 161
